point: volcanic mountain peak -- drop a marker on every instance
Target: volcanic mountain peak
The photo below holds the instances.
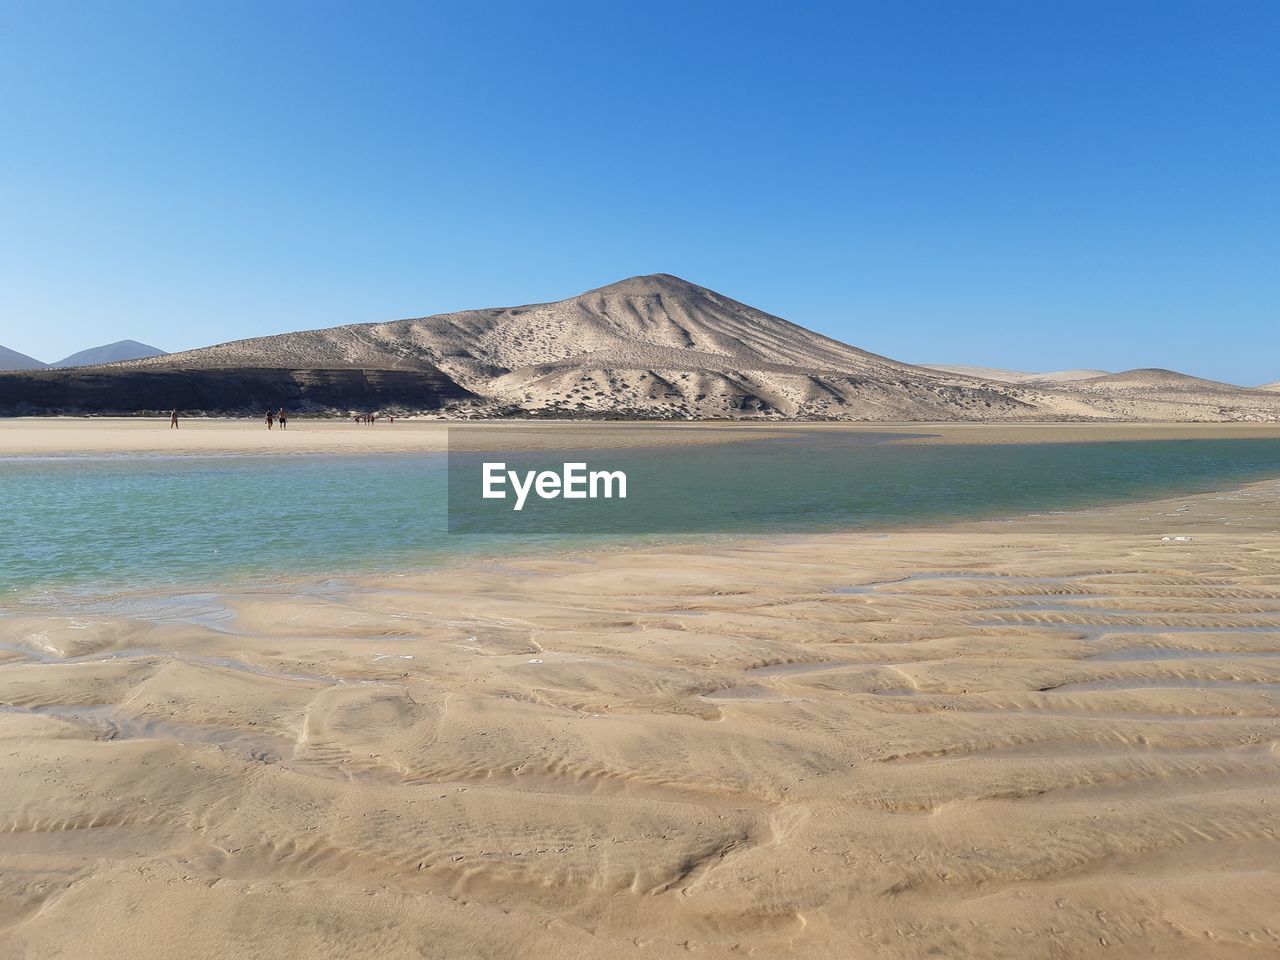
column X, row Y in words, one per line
column 110, row 353
column 659, row 346
column 651, row 284
column 618, row 324
column 13, row 360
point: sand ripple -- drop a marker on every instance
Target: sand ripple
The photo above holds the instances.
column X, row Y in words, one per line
column 1048, row 738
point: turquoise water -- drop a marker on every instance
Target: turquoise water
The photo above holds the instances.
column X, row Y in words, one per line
column 105, row 524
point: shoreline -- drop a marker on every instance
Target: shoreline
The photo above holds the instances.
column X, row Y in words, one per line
column 59, row 436
column 84, row 598
column 795, row 743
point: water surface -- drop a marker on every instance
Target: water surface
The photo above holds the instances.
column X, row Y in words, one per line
column 106, row 524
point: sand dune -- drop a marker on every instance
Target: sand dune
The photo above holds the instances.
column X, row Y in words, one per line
column 1166, row 394
column 1039, row 738
column 1157, row 379
column 1017, row 376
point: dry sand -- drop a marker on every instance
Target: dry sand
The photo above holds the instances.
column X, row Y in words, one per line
column 56, row 436
column 1041, row 738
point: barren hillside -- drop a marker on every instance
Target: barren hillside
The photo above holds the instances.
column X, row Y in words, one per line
column 647, row 346
column 659, row 346
column 1016, row 376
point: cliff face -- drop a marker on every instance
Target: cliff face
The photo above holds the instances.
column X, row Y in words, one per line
column 230, row 390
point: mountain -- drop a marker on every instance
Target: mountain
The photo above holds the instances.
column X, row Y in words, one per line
column 652, row 346
column 110, row 353
column 1271, row 386
column 646, row 347
column 1155, row 378
column 13, row 360
column 1157, row 394
column 1016, row 376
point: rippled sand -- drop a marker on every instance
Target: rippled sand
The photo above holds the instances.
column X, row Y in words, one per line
column 1049, row 737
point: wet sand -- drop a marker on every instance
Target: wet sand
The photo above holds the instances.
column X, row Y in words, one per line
column 1055, row 736
column 57, row 436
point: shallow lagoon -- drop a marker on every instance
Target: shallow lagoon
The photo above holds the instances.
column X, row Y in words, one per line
column 111, row 523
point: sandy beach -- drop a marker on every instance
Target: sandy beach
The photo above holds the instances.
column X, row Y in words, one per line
column 1054, row 736
column 521, row 482
column 58, row 436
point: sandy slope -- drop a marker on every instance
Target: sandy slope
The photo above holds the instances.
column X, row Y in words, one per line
column 1016, row 376
column 1051, row 737
column 1166, row 394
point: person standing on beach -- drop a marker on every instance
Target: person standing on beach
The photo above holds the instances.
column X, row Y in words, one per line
column 271, row 419
column 283, row 418
column 173, row 420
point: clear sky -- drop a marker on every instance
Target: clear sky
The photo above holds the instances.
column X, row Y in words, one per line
column 1021, row 184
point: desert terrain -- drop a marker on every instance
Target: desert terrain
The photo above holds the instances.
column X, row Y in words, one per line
column 648, row 347
column 1042, row 737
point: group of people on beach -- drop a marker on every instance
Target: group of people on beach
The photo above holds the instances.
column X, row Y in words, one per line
column 281, row 416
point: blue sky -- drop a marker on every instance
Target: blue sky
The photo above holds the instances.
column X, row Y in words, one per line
column 1028, row 185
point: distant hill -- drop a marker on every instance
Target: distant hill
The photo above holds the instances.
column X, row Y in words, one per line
column 13, row 360
column 1274, row 387
column 110, row 353
column 984, row 373
column 1017, row 376
column 1155, row 378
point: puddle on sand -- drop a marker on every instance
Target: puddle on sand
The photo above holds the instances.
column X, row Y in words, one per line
column 1169, row 683
column 29, row 653
column 875, row 585
column 107, row 722
column 1096, row 631
column 751, row 693
column 1151, row 654
column 791, row 669
column 226, row 663
column 195, row 609
column 1074, row 605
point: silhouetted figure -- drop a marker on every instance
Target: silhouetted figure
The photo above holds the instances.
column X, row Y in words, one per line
column 283, row 418
column 173, row 420
column 271, row 419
